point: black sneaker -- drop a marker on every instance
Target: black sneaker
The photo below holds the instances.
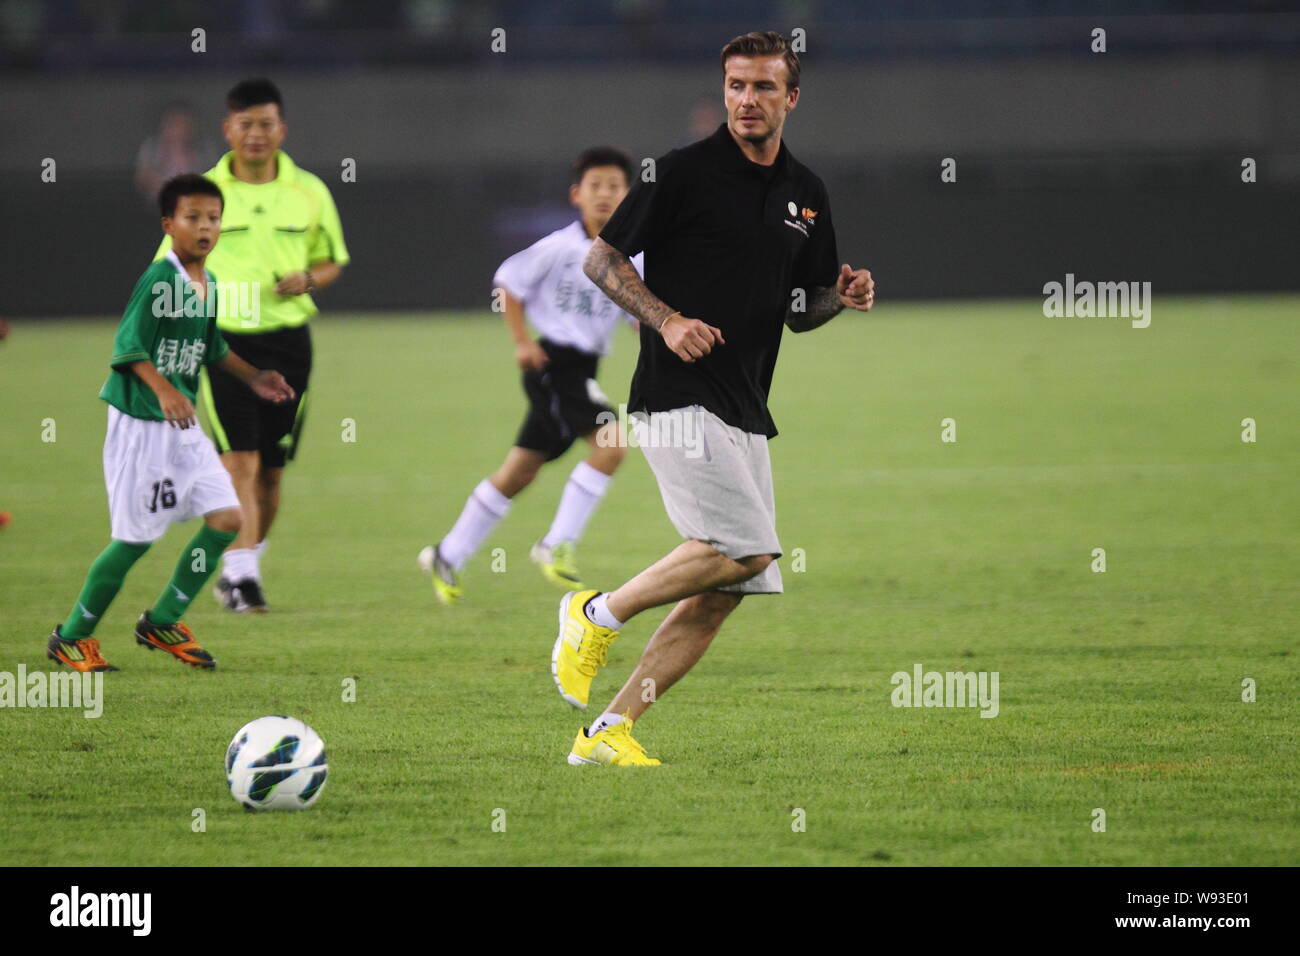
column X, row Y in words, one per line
column 223, row 591
column 248, row 597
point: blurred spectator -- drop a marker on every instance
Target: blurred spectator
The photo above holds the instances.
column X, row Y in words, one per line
column 176, row 148
column 705, row 117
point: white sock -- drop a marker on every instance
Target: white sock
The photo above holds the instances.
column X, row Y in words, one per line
column 259, row 549
column 582, row 492
column 239, row 564
column 483, row 509
column 597, row 611
column 604, row 721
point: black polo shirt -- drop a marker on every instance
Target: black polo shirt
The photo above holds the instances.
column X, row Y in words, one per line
column 726, row 241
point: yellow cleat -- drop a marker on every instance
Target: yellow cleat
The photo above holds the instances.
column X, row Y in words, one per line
column 579, row 650
column 557, row 564
column 612, row 747
column 446, row 587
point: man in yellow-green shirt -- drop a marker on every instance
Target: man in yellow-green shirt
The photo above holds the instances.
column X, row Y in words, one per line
column 281, row 240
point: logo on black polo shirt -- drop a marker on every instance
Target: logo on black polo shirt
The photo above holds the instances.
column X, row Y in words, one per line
column 805, row 219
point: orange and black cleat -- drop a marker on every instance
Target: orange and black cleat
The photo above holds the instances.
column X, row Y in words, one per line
column 81, row 655
column 176, row 639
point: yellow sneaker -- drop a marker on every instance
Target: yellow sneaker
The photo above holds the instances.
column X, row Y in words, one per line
column 557, row 564
column 446, row 587
column 612, row 747
column 579, row 650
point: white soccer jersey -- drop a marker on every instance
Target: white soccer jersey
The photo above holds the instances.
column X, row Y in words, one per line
column 559, row 300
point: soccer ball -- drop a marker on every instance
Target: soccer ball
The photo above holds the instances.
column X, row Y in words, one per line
column 276, row 763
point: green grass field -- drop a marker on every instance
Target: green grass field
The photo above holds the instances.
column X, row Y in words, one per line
column 1119, row 690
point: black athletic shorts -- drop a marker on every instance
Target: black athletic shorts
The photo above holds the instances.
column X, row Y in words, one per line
column 238, row 418
column 564, row 401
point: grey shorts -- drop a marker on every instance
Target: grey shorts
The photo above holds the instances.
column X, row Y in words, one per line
column 716, row 482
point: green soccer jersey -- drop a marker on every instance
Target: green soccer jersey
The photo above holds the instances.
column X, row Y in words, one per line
column 169, row 324
column 269, row 230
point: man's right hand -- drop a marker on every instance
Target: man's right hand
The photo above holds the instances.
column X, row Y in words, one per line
column 689, row 339
column 177, row 410
column 530, row 356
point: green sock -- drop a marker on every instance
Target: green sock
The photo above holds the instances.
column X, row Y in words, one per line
column 198, row 561
column 103, row 581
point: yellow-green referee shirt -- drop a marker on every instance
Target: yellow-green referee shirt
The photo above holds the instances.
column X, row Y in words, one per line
column 269, row 230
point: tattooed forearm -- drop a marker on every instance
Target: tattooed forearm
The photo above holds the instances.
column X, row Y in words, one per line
column 823, row 304
column 614, row 274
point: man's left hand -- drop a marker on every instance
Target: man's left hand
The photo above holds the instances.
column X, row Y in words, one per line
column 855, row 288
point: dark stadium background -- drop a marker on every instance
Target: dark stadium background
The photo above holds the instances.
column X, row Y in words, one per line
column 1117, row 166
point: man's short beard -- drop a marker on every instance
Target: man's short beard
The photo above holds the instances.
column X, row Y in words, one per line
column 758, row 139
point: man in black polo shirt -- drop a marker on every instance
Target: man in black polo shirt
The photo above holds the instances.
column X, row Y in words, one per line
column 738, row 242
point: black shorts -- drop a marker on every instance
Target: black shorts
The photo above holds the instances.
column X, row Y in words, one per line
column 564, row 402
column 238, row 418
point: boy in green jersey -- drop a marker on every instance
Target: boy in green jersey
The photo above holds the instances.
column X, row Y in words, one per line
column 158, row 465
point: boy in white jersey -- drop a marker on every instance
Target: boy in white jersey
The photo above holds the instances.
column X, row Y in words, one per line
column 576, row 322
